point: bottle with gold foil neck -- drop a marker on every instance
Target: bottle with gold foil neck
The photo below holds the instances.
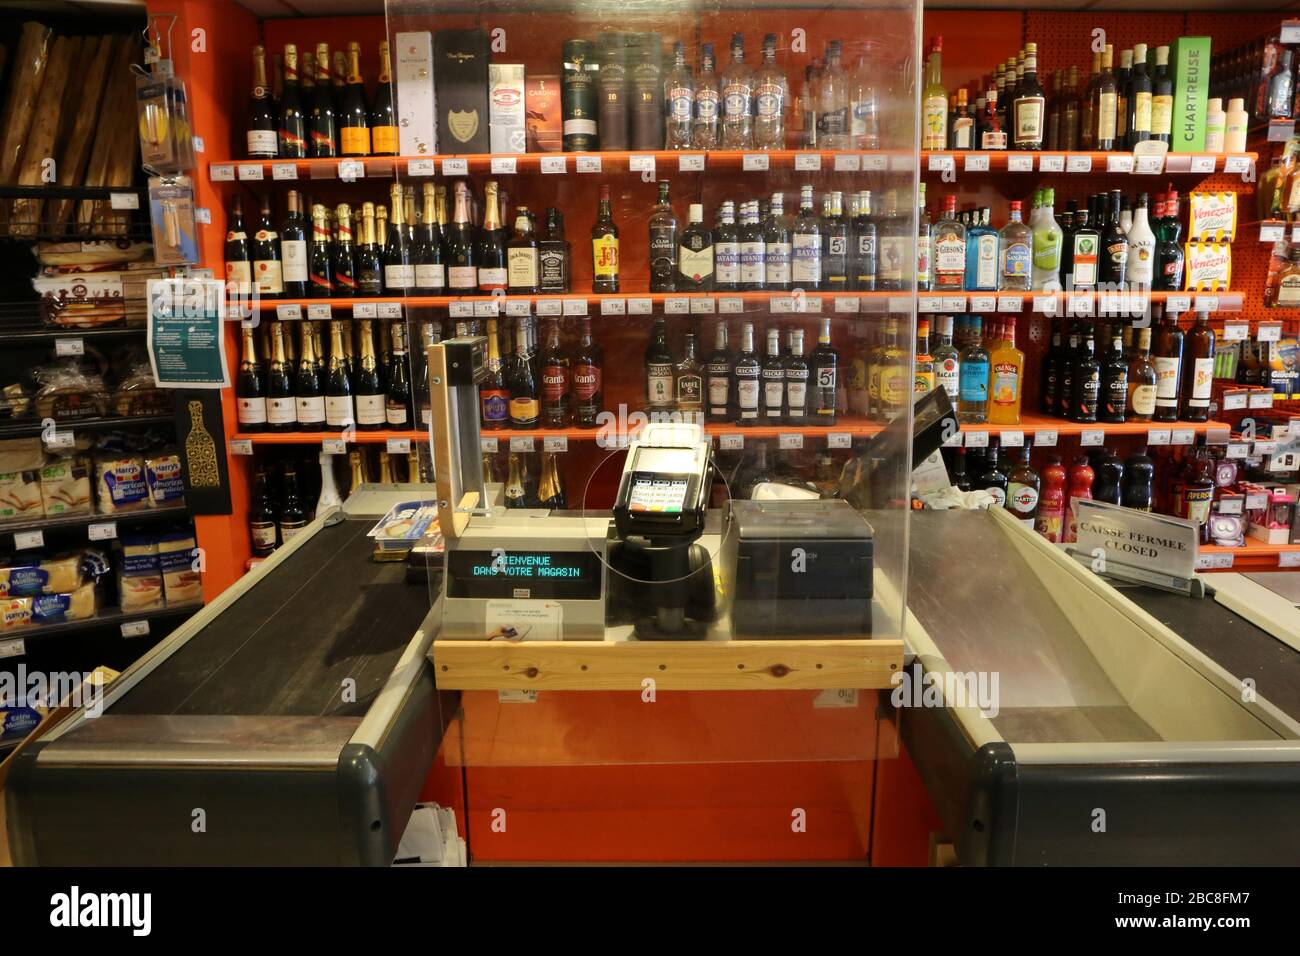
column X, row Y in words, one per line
column 386, row 469
column 354, row 123
column 516, row 491
column 367, row 386
column 322, row 125
column 357, row 476
column 370, row 262
column 383, row 121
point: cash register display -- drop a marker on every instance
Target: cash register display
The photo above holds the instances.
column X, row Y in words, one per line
column 657, row 494
column 504, row 573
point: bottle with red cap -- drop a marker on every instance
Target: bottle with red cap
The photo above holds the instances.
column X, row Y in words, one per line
column 1169, row 250
column 1050, row 520
column 1080, row 486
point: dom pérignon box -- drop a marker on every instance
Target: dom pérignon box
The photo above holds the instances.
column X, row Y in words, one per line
column 416, row 103
column 460, row 74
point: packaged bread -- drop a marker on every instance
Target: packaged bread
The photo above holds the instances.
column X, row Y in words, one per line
column 139, row 578
column 15, row 612
column 75, row 606
column 138, row 393
column 120, row 484
column 1212, row 217
column 21, row 454
column 182, row 584
column 58, row 575
column 165, row 479
column 71, row 394
column 14, row 402
column 20, row 495
column 65, row 487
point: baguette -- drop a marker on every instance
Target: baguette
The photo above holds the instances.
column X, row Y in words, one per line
column 40, row 147
column 118, row 110
column 82, row 102
column 25, row 86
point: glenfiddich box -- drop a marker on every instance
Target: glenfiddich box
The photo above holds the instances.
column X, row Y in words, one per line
column 417, row 103
column 542, row 101
column 506, row 113
column 460, row 73
column 1190, row 62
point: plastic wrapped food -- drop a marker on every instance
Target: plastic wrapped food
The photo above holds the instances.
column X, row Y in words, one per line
column 65, row 487
column 139, row 576
column 120, row 484
column 70, row 394
column 49, row 608
column 181, row 582
column 137, row 393
column 20, row 495
column 61, row 574
column 166, row 481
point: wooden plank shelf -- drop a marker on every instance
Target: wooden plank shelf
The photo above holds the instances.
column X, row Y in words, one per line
column 812, row 664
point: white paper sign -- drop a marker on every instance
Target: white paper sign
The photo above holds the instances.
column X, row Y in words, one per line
column 1020, row 163
column 690, row 163
column 103, row 531
column 1119, row 164
column 847, row 162
column 455, row 167
column 284, row 171
column 135, row 628
column 69, row 346
column 241, row 446
column 613, row 306
column 1013, row 439
column 807, row 162
column 976, row 163
column 977, row 439
column 398, row 446
column 1092, row 437
column 555, row 443
column 250, row 173
column 503, row 166
column 1051, row 163
column 839, row 440
column 24, row 540
column 555, row 165
column 1078, row 163
column 521, row 444
column 1045, row 438
column 588, row 164
column 731, row 442
column 318, row 311
column 419, row 167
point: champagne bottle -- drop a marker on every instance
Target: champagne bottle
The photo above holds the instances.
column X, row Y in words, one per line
column 339, row 410
column 354, row 124
column 250, row 387
column 345, row 262
column 491, row 252
column 309, row 390
column 383, row 121
column 397, row 405
column 321, row 128
column 293, row 122
column 281, row 408
column 370, row 264
column 263, row 138
column 369, row 390
column 320, row 264
column 399, row 273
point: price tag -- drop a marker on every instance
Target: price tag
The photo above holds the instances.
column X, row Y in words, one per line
column 677, row 305
column 288, row 312
column 1182, row 436
column 516, row 696
column 847, row 304
column 221, row 173
column 754, row 162
column 941, row 163
column 1045, row 438
column 70, row 346
column 419, row 167
column 555, row 165
column 1122, row 163
column 790, row 440
column 1214, row 562
column 1230, row 506
column 1255, row 502
column 1150, row 165
column 1272, row 231
column 1078, row 164
column 366, row 310
column 135, row 628
column 521, row 444
column 976, row 163
column 24, row 540
column 640, row 306
column 284, row 171
column 641, row 164
column 1051, row 163
column 613, row 306
column 1261, row 398
column 1010, row 303
column 1045, row 304
column 1218, row 436
column 334, row 446
column 1237, row 449
column 731, row 305
column 399, row 446
column 518, row 307
column 1236, row 164
column 250, row 172
column 350, row 170
column 455, row 167
column 702, row 306
column 1179, row 303
column 1269, row 332
column 953, row 441
column 954, row 303
column 241, row 446
column 550, row 307
column 488, row 445
column 781, row 305
column 1013, row 439
column 555, row 443
column 1236, row 331
column 1286, row 559
column 202, row 215
column 690, row 163
column 983, row 303
column 929, row 303
column 1079, row 303
column 1159, row 436
column 878, row 164
column 731, row 442
column 977, row 439
column 808, row 162
column 575, row 307
column 60, row 440
column 1020, row 163
column 318, row 312
column 1207, row 303
column 588, row 164
column 1202, row 164
column 103, row 531
column 1092, row 436
column 503, row 166
column 15, row 647
column 1290, row 32
column 839, row 440
column 1265, row 448
column 848, row 162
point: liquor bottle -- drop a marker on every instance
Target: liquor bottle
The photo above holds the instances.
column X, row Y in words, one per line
column 308, row 389
column 550, row 489
column 679, row 102
column 864, row 114
column 1051, row 500
column 343, row 254
column 604, row 248
column 863, row 244
column 268, row 271
column 521, row 256
column 934, row 100
column 383, row 121
column 261, row 517
column 688, row 383
column 293, row 121
column 354, row 123
column 1141, row 248
column 1084, row 251
column 695, row 254
column 1023, row 487
column 1028, row 109
column 982, row 254
column 708, row 99
column 1162, row 98
column 397, row 403
column 747, row 372
column 1088, row 106
column 718, row 378
column 490, row 249
column 321, row 128
column 238, row 254
column 1071, row 112
column 293, row 248
column 1122, row 77
column 557, row 380
column 1137, row 124
column 367, row 388
column 923, row 363
column 1105, row 102
column 835, row 243
column 737, row 98
column 973, row 384
column 292, row 516
column 1085, row 383
column 320, row 265
column 581, row 132
column 1079, row 486
column 797, row 373
column 370, row 264
column 806, row 244
column 516, row 489
column 1125, row 215
column 1051, row 373
column 1199, row 377
column 1109, row 480
column 339, row 410
column 773, row 378
column 1142, row 379
column 1007, row 378
column 1015, row 251
column 399, row 272
column 281, row 408
column 663, row 243
column 553, row 255
column 771, row 99
column 588, row 391
column 833, row 101
column 726, row 249
column 753, row 249
column 1167, row 356
column 961, row 132
column 992, row 478
column 1112, row 400
column 776, row 247
column 659, row 369
column 494, row 390
column 462, row 257
column 263, row 139
column 1114, row 247
column 1047, row 247
column 1169, row 251
column 525, row 395
column 823, row 403
column 949, row 248
column 250, row 387
column 946, row 359
column 924, row 244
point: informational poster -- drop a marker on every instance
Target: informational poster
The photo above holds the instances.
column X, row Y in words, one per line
column 186, row 341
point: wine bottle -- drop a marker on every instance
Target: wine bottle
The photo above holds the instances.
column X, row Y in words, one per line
column 490, row 254
column 261, row 517
column 250, row 387
column 263, row 138
column 281, row 409
column 321, row 127
column 267, row 269
column 339, row 410
column 370, row 264
column 320, row 271
column 462, row 267
column 293, row 248
column 293, row 122
column 369, row 390
column 309, row 390
column 354, row 124
column 345, row 264
column 399, row 273
column 426, row 252
column 397, row 405
column 239, row 260
column 383, row 121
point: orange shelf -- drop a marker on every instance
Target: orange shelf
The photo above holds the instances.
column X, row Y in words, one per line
column 1253, row 556
column 879, row 299
column 1032, row 423
column 998, row 161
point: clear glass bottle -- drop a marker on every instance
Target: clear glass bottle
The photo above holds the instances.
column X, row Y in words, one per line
column 737, row 98
column 864, row 122
column 833, row 102
column 708, row 100
column 771, row 99
column 973, row 383
column 1015, row 251
column 679, row 102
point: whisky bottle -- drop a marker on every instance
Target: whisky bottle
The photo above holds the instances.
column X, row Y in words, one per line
column 521, row 256
column 553, row 255
column 557, row 384
column 578, row 97
column 604, row 248
column 688, row 383
column 588, row 392
column 695, row 254
column 659, row 369
column 263, row 139
column 663, row 244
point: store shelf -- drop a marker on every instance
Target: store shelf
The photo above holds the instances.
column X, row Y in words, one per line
column 41, row 335
column 1083, row 162
column 1047, row 430
column 673, row 665
column 18, row 641
column 33, row 427
column 1253, row 556
column 1115, row 303
column 66, row 522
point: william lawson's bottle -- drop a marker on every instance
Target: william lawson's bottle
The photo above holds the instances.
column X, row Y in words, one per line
column 263, row 135
column 322, row 128
column 250, row 387
column 659, row 369
column 354, row 123
column 367, row 385
column 309, row 390
column 281, row 407
column 383, row 121
column 397, row 404
column 339, row 410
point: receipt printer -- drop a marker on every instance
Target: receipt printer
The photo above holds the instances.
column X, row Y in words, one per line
column 798, row 568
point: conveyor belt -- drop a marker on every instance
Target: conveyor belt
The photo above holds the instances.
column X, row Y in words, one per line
column 286, row 647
